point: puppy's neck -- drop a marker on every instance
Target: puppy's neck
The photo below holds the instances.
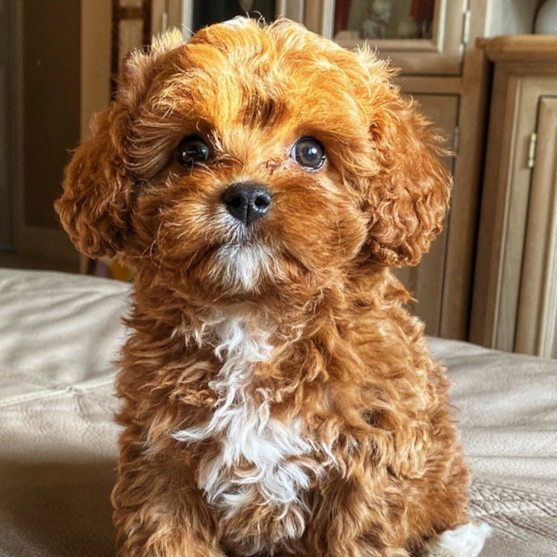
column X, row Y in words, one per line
column 175, row 310
column 161, row 312
column 237, row 327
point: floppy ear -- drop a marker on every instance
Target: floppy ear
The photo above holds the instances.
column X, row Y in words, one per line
column 408, row 196
column 97, row 187
column 98, row 181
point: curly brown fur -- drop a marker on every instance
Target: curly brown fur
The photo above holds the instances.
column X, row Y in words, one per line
column 278, row 398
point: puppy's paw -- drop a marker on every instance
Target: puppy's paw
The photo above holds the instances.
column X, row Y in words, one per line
column 464, row 541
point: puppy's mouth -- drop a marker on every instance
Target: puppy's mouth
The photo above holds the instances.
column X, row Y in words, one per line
column 244, row 260
column 243, row 266
column 239, row 249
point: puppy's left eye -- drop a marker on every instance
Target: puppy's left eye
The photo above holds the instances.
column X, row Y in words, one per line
column 192, row 150
column 309, row 153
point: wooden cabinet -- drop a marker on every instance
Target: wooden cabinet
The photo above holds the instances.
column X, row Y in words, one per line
column 536, row 319
column 437, row 51
column 449, row 79
column 515, row 288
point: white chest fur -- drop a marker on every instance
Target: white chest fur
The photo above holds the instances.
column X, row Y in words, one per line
column 259, row 455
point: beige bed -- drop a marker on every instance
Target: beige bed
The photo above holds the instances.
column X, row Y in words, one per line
column 59, row 336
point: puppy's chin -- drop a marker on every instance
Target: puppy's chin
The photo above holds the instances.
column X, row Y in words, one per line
column 243, row 268
column 253, row 272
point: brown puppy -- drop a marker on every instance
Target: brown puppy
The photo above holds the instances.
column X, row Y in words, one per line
column 278, row 398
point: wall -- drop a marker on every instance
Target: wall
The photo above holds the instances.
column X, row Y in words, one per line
column 6, row 128
column 510, row 17
column 51, row 102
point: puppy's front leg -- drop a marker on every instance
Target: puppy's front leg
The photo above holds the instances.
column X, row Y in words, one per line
column 159, row 511
column 350, row 519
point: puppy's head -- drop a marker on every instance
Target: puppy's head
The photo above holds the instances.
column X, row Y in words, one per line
column 255, row 158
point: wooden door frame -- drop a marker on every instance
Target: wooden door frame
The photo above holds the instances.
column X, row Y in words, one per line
column 8, row 243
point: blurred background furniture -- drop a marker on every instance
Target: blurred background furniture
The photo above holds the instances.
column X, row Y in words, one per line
column 515, row 288
column 432, row 41
column 444, row 72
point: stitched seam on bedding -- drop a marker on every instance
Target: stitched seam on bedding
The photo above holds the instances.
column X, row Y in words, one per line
column 53, row 392
column 32, row 380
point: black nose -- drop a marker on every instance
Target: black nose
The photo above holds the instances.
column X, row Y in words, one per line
column 247, row 201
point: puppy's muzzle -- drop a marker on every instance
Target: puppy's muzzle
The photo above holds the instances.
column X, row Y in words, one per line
column 247, row 201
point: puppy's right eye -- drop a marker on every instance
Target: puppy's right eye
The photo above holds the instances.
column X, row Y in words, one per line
column 192, row 150
column 309, row 153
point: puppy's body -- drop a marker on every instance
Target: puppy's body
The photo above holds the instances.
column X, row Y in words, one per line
column 310, row 436
column 278, row 399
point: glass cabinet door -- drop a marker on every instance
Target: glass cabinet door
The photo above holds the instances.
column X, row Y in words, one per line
column 419, row 36
column 199, row 13
column 422, row 37
column 205, row 13
column 355, row 20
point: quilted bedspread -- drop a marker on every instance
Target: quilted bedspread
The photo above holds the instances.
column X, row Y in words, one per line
column 59, row 339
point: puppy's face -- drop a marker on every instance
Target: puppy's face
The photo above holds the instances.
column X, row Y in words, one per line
column 255, row 160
